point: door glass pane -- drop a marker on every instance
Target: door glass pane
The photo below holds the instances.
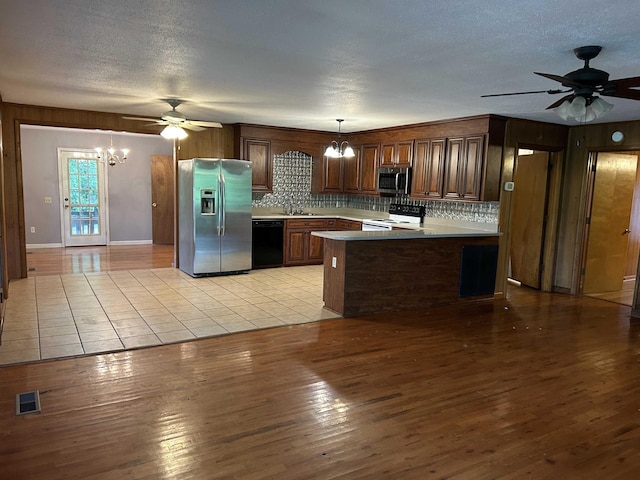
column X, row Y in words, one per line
column 83, row 196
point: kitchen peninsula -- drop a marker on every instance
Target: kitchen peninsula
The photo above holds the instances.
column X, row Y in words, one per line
column 368, row 272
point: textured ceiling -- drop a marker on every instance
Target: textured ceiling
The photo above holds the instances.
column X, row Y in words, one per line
column 304, row 63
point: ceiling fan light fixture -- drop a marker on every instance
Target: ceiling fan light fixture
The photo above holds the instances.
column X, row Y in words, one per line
column 599, row 106
column 171, row 132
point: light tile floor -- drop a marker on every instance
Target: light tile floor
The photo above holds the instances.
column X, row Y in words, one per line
column 67, row 315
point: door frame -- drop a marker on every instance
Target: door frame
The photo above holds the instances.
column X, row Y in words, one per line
column 104, row 197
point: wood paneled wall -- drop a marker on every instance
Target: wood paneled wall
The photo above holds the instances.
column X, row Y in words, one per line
column 14, row 115
column 210, row 143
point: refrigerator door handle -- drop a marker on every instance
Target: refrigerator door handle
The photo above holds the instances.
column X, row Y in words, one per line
column 223, row 206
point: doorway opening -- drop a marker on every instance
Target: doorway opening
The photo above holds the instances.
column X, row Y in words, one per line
column 84, row 200
column 612, row 227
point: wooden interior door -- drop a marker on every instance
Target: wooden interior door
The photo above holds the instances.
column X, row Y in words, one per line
column 528, row 211
column 606, row 257
column 162, row 199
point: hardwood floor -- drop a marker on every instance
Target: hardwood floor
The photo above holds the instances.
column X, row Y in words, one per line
column 537, row 386
column 58, row 261
column 623, row 296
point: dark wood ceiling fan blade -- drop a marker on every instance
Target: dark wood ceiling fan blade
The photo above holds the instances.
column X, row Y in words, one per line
column 564, row 81
column 622, row 93
column 557, row 103
column 627, row 82
column 520, row 93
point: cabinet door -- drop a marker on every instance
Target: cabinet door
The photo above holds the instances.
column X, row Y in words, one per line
column 315, row 253
column 351, row 168
column 473, row 155
column 332, row 180
column 428, row 168
column 296, row 248
column 369, row 168
column 455, row 150
column 387, row 152
column 404, row 154
column 258, row 152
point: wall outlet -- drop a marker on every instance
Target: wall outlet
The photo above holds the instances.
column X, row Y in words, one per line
column 334, row 262
column 33, row 229
column 47, row 199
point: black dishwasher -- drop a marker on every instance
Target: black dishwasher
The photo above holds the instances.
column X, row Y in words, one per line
column 267, row 243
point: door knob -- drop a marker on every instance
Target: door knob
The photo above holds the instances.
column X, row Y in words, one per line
column 154, row 204
column 626, row 231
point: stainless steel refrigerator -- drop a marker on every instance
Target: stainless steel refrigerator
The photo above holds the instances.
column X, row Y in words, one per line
column 214, row 216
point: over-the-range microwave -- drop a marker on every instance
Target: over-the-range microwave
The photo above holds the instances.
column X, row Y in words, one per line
column 394, row 180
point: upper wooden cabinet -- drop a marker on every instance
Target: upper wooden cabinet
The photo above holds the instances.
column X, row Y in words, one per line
column 463, row 167
column 258, row 152
column 428, row 169
column 360, row 171
column 332, row 177
column 399, row 154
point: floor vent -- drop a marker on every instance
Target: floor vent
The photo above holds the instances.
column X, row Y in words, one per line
column 31, row 269
column 28, row 402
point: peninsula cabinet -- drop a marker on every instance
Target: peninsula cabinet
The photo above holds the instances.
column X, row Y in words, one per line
column 360, row 171
column 258, row 152
column 399, row 154
column 463, row 167
column 428, row 170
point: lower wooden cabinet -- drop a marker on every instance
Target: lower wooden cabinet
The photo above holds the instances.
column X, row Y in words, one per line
column 302, row 248
column 348, row 225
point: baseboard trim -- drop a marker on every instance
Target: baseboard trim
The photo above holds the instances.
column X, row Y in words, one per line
column 33, row 246
column 131, row 242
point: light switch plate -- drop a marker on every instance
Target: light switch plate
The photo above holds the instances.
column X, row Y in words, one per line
column 509, row 186
column 334, row 262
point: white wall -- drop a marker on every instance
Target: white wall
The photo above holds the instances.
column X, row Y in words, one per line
column 129, row 184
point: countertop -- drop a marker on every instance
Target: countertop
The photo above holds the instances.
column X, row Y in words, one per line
column 431, row 228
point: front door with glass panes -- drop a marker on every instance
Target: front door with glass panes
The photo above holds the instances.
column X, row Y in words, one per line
column 83, row 194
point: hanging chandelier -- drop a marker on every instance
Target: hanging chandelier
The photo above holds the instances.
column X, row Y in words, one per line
column 583, row 108
column 110, row 156
column 338, row 148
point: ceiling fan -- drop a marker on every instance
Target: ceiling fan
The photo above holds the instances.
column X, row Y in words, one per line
column 175, row 122
column 583, row 85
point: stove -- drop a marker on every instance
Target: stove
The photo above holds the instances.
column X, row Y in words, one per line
column 401, row 215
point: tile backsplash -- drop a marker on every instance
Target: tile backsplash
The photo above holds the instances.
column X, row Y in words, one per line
column 292, row 189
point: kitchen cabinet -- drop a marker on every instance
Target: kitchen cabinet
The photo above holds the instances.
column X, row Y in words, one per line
column 463, row 167
column 301, row 248
column 360, row 171
column 399, row 154
column 332, row 178
column 258, row 152
column 428, row 168
column 344, row 224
